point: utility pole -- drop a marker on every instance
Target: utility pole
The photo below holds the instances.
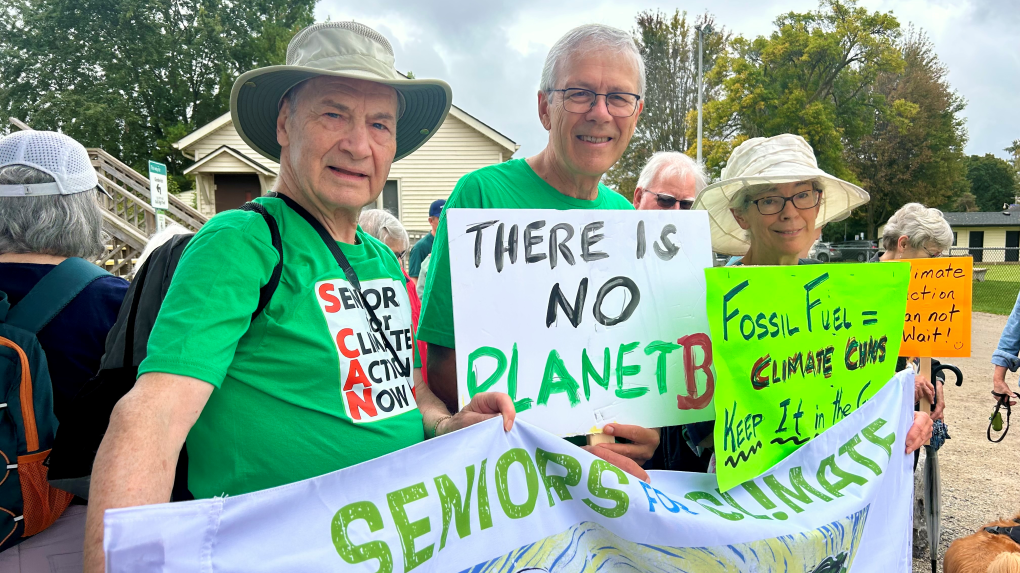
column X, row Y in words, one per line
column 702, row 31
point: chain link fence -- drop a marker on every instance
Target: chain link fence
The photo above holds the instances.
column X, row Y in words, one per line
column 996, row 277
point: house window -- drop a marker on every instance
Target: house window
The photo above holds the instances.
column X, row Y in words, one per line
column 954, row 238
column 391, row 197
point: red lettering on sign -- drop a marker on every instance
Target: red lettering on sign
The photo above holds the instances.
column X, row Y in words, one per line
column 355, row 404
column 342, row 346
column 356, row 376
column 692, row 401
column 326, row 294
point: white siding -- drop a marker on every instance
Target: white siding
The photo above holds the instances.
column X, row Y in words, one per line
column 228, row 136
column 432, row 171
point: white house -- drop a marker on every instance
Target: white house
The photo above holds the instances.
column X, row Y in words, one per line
column 228, row 172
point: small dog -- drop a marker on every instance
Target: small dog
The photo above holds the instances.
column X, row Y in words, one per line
column 985, row 552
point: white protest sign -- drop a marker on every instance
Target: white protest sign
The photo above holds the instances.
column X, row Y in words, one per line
column 584, row 317
column 159, row 195
column 160, row 221
column 483, row 500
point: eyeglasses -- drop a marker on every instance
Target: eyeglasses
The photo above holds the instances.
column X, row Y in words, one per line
column 400, row 255
column 665, row 201
column 774, row 204
column 934, row 255
column 618, row 104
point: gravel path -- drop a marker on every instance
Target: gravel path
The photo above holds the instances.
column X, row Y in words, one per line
column 978, row 477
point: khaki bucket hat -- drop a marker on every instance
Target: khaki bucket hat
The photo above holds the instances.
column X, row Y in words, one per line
column 345, row 50
column 785, row 158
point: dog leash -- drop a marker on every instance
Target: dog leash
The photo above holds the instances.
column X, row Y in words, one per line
column 1011, row 532
column 995, row 421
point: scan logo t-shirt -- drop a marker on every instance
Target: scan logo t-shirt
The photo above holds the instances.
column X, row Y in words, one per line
column 371, row 383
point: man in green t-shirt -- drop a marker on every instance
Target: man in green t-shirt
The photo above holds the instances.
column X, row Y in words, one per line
column 589, row 102
column 321, row 379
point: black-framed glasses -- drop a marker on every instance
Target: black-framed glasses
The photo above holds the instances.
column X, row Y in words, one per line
column 618, row 104
column 400, row 255
column 774, row 204
column 934, row 255
column 665, row 201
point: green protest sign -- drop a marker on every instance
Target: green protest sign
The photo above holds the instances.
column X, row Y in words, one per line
column 797, row 349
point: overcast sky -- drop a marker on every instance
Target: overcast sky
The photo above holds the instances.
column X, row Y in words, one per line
column 491, row 51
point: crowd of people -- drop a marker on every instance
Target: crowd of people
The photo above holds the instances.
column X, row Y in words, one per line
column 254, row 395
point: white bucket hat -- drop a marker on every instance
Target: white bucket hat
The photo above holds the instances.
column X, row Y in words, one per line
column 785, row 158
column 55, row 154
column 345, row 50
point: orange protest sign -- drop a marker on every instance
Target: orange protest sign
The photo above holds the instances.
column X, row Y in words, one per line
column 937, row 321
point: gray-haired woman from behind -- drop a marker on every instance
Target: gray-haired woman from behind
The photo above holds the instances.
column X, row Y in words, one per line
column 49, row 215
column 382, row 225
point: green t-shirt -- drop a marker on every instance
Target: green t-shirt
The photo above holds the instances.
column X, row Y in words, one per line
column 509, row 185
column 304, row 390
column 419, row 252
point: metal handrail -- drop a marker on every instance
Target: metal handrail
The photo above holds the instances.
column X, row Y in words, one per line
column 132, row 183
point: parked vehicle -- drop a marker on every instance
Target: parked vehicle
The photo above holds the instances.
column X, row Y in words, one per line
column 823, row 252
column 859, row 251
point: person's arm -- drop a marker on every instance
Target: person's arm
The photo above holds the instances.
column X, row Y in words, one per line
column 136, row 462
column 919, row 432
column 414, row 259
column 999, row 385
column 1005, row 356
column 442, row 374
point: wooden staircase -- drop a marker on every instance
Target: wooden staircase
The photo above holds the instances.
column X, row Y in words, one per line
column 128, row 218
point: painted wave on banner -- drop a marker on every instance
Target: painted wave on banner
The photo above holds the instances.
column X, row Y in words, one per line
column 589, row 547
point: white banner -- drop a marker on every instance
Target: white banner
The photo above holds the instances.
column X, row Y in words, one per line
column 584, row 317
column 484, row 500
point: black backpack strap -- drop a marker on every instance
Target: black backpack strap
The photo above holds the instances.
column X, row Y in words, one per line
column 266, row 292
column 53, row 293
column 352, row 277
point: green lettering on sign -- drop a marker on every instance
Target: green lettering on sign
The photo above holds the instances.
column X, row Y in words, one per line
column 408, row 530
column 354, row 554
column 558, row 483
column 600, row 491
column 484, row 513
column 699, row 496
column 849, row 449
column 884, row 442
column 800, row 491
column 663, row 348
column 509, row 458
column 556, row 379
column 450, row 497
column 588, row 371
column 472, row 378
column 623, row 370
column 845, row 478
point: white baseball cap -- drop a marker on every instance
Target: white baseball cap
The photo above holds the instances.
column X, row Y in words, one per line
column 55, row 154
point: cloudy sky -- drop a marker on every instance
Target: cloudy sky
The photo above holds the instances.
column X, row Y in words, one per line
column 491, row 51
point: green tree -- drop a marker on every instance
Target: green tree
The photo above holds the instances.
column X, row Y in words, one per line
column 813, row 77
column 132, row 76
column 1014, row 152
column 669, row 48
column 992, row 181
column 915, row 149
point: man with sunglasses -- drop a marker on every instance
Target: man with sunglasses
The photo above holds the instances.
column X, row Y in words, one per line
column 669, row 181
column 589, row 101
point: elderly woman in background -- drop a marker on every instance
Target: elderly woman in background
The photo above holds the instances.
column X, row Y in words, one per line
column 918, row 232
column 50, row 227
column 384, row 226
column 766, row 208
column 915, row 232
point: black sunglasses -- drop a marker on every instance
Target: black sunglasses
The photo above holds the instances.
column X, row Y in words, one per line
column 665, row 201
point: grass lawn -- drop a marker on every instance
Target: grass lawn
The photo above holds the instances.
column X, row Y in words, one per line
column 997, row 294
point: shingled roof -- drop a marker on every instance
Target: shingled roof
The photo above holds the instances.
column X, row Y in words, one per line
column 992, row 219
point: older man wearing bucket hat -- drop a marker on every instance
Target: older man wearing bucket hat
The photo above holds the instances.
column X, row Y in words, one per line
column 321, row 378
column 766, row 208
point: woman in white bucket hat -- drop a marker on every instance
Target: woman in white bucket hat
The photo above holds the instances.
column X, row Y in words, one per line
column 771, row 198
column 766, row 208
